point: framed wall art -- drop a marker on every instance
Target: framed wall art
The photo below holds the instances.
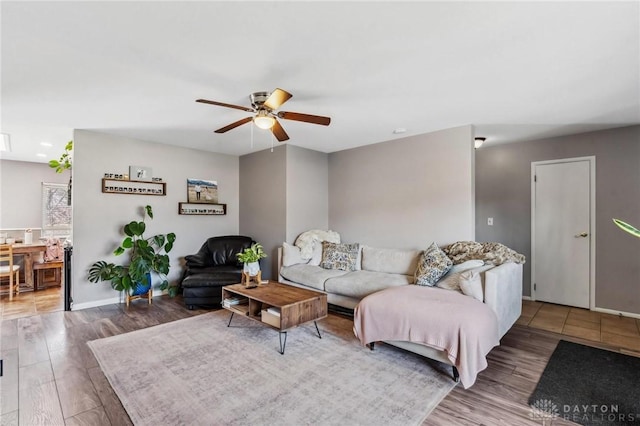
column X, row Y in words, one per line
column 201, row 191
column 140, row 173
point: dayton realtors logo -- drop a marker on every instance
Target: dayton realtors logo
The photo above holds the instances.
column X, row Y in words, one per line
column 546, row 410
column 604, row 413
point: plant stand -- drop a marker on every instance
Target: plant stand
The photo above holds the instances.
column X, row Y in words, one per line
column 148, row 295
column 250, row 281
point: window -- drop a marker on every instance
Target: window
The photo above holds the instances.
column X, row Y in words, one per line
column 56, row 213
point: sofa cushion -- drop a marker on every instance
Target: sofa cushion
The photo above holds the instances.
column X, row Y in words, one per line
column 291, row 255
column 392, row 261
column 362, row 283
column 212, row 279
column 219, row 251
column 451, row 280
column 471, row 284
column 433, row 264
column 309, row 275
column 339, row 256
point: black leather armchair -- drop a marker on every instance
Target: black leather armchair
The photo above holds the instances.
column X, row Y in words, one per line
column 214, row 266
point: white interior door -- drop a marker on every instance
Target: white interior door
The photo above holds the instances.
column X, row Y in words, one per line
column 562, row 232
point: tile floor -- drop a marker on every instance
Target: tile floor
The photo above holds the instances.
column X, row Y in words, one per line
column 623, row 332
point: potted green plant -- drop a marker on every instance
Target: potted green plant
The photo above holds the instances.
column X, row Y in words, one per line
column 146, row 256
column 64, row 163
column 250, row 258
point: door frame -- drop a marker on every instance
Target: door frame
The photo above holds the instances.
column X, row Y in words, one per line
column 592, row 223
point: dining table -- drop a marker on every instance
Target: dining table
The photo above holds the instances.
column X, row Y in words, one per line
column 29, row 252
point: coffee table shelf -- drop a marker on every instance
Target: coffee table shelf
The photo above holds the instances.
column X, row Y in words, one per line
column 296, row 305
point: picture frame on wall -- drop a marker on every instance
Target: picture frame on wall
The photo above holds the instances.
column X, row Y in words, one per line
column 140, row 173
column 201, row 191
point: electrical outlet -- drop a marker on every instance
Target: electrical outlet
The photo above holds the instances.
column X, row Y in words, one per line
column 490, row 221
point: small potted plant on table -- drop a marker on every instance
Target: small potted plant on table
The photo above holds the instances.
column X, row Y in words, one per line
column 250, row 257
column 147, row 255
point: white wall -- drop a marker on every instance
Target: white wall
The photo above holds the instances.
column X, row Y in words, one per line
column 21, row 192
column 405, row 193
column 98, row 218
column 307, row 191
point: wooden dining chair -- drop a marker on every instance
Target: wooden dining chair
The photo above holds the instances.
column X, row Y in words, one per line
column 8, row 269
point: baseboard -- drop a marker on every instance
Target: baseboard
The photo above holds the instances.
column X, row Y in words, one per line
column 526, row 297
column 617, row 313
column 95, row 303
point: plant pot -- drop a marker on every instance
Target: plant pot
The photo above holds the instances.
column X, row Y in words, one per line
column 252, row 268
column 141, row 288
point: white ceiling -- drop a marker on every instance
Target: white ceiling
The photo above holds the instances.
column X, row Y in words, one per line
column 515, row 70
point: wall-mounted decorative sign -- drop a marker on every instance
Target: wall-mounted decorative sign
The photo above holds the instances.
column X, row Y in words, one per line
column 202, row 191
column 136, row 187
column 202, row 209
column 140, row 173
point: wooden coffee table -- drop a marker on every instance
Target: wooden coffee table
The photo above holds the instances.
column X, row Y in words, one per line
column 296, row 306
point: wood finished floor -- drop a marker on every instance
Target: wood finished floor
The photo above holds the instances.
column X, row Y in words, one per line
column 52, row 378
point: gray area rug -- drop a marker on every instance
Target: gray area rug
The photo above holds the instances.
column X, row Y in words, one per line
column 196, row 371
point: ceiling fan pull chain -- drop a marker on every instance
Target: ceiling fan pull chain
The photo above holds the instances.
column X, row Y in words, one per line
column 271, row 141
column 252, row 138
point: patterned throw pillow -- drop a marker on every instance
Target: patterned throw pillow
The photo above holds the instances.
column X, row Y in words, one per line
column 433, row 264
column 339, row 256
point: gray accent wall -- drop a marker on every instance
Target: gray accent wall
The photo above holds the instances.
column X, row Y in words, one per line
column 263, row 202
column 503, row 191
column 405, row 193
column 98, row 218
column 282, row 194
column 307, row 191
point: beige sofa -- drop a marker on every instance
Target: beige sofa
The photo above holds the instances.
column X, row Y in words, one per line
column 381, row 268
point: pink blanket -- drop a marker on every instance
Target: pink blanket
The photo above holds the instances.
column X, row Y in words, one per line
column 442, row 319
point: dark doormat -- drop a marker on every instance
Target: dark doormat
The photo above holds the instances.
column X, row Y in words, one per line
column 588, row 386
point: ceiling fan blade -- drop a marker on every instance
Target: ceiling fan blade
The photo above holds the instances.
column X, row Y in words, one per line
column 307, row 118
column 277, row 98
column 279, row 132
column 222, row 104
column 234, row 125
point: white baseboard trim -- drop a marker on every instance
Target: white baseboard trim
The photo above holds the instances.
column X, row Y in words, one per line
column 95, row 303
column 526, row 297
column 617, row 313
column 111, row 301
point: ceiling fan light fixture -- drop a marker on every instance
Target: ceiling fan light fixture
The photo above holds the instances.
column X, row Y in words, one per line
column 263, row 120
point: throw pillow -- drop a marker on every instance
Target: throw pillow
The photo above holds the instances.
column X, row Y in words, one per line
column 471, row 285
column 433, row 264
column 291, row 255
column 465, row 266
column 339, row 256
column 450, row 281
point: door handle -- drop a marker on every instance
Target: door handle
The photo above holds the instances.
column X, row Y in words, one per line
column 583, row 235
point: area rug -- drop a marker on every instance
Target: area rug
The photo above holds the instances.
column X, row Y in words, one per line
column 588, row 386
column 198, row 371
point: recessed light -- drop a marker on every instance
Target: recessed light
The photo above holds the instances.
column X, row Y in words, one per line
column 46, row 144
column 41, row 155
column 399, row 130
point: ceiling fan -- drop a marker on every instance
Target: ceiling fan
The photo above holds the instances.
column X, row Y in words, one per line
column 264, row 105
